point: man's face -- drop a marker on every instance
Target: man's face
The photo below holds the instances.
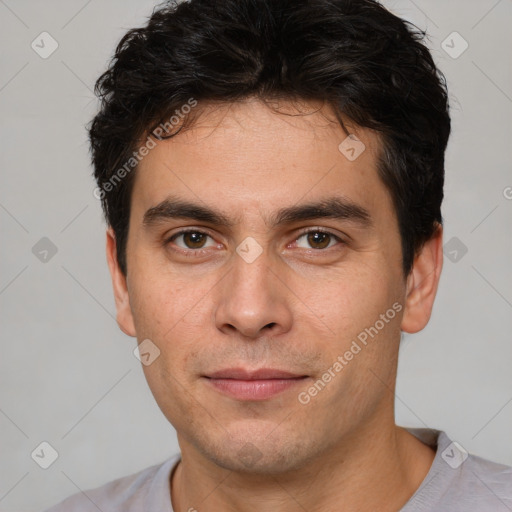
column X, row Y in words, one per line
column 267, row 285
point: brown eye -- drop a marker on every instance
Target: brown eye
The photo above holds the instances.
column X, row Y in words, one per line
column 190, row 240
column 317, row 240
column 194, row 240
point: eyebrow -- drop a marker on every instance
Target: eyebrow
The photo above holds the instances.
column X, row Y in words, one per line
column 337, row 208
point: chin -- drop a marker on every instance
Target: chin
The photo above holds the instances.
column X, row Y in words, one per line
column 258, row 455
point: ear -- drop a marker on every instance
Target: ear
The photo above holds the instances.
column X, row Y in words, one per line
column 422, row 284
column 124, row 312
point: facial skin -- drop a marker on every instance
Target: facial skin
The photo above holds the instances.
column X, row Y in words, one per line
column 297, row 307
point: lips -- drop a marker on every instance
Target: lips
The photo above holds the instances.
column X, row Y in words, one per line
column 261, row 374
column 248, row 385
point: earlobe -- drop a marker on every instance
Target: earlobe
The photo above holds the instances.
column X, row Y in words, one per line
column 422, row 283
column 122, row 299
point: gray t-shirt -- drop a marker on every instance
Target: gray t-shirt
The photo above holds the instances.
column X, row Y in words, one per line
column 456, row 482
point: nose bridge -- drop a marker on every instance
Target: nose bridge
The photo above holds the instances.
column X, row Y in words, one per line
column 251, row 276
column 252, row 297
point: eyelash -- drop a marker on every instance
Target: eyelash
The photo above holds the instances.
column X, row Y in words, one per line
column 199, row 252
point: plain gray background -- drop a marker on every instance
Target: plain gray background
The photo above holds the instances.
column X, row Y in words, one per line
column 68, row 375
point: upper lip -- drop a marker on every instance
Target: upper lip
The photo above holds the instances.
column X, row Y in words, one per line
column 260, row 374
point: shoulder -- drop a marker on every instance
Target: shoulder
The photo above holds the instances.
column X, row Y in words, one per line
column 483, row 481
column 459, row 481
column 133, row 492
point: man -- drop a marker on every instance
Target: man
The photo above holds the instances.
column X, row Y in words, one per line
column 272, row 175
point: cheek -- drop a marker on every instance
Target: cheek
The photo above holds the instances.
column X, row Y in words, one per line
column 159, row 317
column 363, row 311
column 365, row 316
column 171, row 391
column 351, row 300
column 162, row 302
column 172, row 317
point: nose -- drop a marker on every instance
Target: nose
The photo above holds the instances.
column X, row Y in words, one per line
column 252, row 300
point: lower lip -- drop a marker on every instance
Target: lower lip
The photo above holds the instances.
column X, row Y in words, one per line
column 254, row 389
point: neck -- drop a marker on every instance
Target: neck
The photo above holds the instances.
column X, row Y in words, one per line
column 377, row 468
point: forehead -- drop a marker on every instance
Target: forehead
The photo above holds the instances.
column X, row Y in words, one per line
column 248, row 155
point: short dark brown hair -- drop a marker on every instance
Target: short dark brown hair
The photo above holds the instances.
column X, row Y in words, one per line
column 368, row 64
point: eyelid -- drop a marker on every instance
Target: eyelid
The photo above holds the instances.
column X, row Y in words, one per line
column 318, row 229
column 184, row 231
